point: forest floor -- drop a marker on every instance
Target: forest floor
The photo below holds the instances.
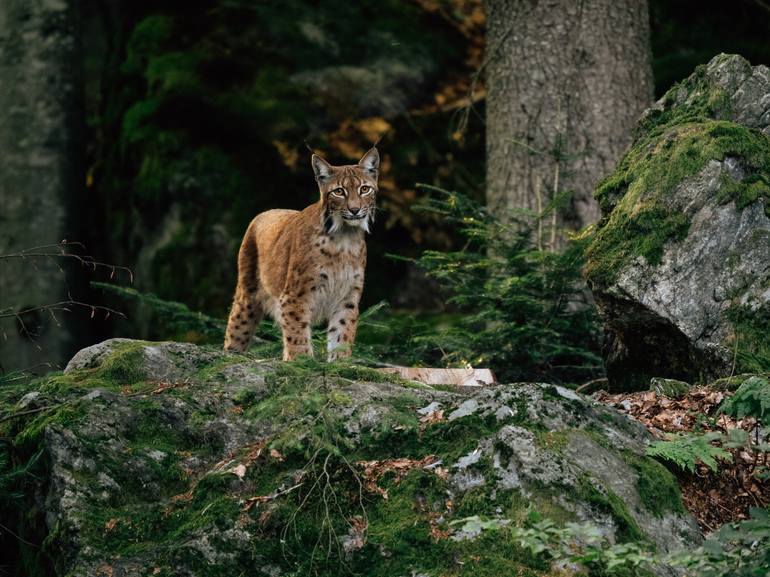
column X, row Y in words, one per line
column 713, row 498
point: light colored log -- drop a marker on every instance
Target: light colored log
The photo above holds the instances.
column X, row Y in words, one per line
column 434, row 376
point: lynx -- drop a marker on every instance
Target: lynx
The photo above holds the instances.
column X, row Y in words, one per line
column 304, row 267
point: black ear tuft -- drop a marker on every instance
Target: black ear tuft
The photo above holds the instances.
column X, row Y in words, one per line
column 321, row 168
column 370, row 161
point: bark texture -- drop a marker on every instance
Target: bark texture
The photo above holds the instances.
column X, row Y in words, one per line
column 566, row 80
column 39, row 124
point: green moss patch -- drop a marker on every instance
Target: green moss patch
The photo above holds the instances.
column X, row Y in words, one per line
column 674, row 143
column 641, row 218
column 608, row 502
column 658, row 488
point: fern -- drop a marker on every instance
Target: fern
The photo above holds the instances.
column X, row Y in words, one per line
column 685, row 451
column 752, row 399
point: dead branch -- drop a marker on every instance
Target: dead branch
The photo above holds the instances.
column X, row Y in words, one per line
column 29, row 412
column 62, row 250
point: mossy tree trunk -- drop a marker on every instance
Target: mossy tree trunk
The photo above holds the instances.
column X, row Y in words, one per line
column 565, row 82
column 40, row 128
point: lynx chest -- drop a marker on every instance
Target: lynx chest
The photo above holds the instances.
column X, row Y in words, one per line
column 340, row 277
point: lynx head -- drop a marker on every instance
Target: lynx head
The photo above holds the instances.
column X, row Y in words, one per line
column 348, row 193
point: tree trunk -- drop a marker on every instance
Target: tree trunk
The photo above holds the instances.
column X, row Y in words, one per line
column 566, row 80
column 40, row 122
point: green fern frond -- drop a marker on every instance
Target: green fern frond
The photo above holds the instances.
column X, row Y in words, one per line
column 752, row 399
column 685, row 451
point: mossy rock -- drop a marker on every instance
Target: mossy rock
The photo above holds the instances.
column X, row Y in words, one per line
column 177, row 459
column 679, row 262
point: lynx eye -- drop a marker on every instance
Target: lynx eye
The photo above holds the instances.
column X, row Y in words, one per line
column 365, row 190
column 338, row 192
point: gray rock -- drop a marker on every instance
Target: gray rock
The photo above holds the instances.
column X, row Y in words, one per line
column 177, row 471
column 431, row 408
column 674, row 316
column 92, row 356
column 467, row 408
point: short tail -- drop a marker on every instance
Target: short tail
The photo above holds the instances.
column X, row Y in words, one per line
column 246, row 312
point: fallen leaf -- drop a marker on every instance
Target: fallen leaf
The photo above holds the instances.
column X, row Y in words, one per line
column 251, row 501
column 182, row 497
column 432, row 418
column 276, row 455
column 374, row 470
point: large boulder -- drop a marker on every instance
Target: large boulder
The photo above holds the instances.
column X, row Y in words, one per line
column 173, row 459
column 679, row 265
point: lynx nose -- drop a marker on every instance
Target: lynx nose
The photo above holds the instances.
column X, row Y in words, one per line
column 353, row 210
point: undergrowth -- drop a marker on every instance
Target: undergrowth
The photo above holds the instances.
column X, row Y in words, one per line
column 521, row 309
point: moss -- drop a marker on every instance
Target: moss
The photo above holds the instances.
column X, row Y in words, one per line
column 553, row 441
column 30, row 436
column 744, row 192
column 123, row 365
column 449, row 440
column 636, row 199
column 669, row 387
column 732, row 383
column 693, row 99
column 401, row 529
column 247, row 397
column 119, row 369
column 658, row 488
column 593, row 492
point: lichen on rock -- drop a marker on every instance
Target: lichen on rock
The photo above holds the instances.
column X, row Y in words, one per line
column 193, row 461
column 683, row 249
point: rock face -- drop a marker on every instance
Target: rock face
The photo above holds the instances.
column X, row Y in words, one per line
column 172, row 459
column 680, row 263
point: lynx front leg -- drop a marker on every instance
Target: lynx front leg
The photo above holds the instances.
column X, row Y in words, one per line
column 341, row 333
column 295, row 325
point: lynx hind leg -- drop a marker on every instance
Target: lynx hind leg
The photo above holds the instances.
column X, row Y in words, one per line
column 245, row 314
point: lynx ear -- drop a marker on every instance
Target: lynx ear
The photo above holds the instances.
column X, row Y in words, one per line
column 321, row 168
column 370, row 161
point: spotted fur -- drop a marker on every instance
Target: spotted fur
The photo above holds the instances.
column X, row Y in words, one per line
column 305, row 267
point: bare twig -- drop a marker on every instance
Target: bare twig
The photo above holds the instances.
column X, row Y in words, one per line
column 30, row 412
column 61, row 250
column 19, row 537
column 60, row 306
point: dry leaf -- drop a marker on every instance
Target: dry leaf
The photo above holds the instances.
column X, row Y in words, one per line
column 110, row 525
column 276, row 455
column 374, row 470
column 251, row 501
column 239, row 471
